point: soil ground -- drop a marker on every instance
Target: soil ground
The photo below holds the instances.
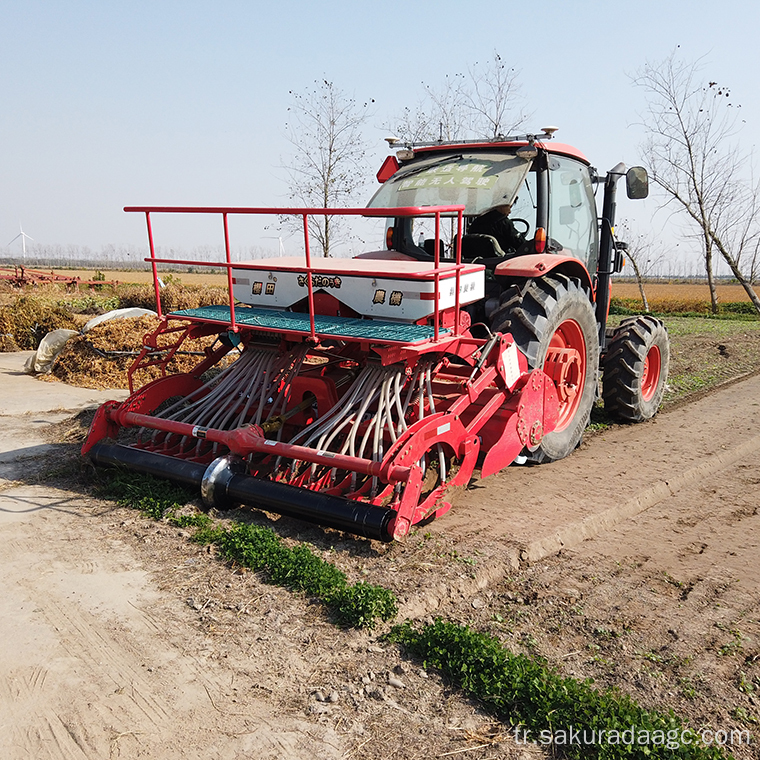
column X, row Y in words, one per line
column 633, row 562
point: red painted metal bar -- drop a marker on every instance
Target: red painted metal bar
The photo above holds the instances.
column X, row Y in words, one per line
column 258, row 210
column 403, row 211
column 458, row 277
column 270, row 266
column 437, row 281
column 249, row 439
column 229, row 271
column 153, row 264
column 309, row 283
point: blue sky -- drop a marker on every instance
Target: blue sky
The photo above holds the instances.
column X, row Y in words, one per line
column 106, row 104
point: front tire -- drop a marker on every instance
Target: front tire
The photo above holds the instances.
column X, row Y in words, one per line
column 636, row 369
column 553, row 323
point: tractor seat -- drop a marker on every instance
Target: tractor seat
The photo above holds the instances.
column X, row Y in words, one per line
column 478, row 246
column 473, row 247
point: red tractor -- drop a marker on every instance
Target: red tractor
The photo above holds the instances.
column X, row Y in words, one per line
column 363, row 388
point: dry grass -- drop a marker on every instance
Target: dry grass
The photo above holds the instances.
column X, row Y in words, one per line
column 82, row 362
column 679, row 290
column 680, row 298
column 680, row 305
column 26, row 321
column 174, row 296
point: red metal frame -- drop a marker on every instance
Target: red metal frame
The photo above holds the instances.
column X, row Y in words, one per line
column 309, row 268
column 470, row 394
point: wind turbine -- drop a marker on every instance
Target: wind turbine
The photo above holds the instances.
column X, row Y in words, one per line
column 23, row 237
column 273, row 237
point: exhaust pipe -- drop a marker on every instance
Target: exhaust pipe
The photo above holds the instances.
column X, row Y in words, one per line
column 223, row 484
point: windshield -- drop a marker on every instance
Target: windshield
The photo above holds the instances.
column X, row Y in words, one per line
column 478, row 181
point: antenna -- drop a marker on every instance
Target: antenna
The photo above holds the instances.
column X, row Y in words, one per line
column 23, row 237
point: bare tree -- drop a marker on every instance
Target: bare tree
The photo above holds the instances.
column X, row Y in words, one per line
column 485, row 102
column 441, row 114
column 643, row 254
column 494, row 99
column 633, row 258
column 327, row 168
column 688, row 145
column 448, row 117
column 414, row 124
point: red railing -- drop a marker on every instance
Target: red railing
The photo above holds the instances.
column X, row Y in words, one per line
column 308, row 269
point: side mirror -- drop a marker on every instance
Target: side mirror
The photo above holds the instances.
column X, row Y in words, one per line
column 620, row 249
column 637, row 183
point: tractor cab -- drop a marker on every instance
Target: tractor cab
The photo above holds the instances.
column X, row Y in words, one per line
column 520, row 197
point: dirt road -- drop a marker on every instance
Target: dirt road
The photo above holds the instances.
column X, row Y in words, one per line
column 119, row 638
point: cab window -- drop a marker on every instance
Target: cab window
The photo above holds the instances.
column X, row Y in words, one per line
column 572, row 210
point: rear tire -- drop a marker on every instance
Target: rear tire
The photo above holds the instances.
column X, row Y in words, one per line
column 636, row 369
column 553, row 323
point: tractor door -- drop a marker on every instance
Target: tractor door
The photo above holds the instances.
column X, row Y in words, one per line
column 572, row 210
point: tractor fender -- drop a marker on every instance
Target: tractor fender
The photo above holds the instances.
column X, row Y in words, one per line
column 540, row 264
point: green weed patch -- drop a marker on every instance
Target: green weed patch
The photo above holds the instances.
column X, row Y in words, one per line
column 354, row 606
column 561, row 713
column 199, row 520
column 298, row 568
column 154, row 497
column 89, row 304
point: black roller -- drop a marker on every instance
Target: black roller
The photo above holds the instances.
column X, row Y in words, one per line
column 312, row 506
column 336, row 512
column 177, row 470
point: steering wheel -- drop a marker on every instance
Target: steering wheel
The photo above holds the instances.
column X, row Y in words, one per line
column 521, row 221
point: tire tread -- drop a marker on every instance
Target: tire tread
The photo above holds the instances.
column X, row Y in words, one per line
column 623, row 365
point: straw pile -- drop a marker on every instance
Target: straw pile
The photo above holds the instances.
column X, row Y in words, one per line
column 8, row 343
column 80, row 362
column 174, row 296
column 25, row 322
